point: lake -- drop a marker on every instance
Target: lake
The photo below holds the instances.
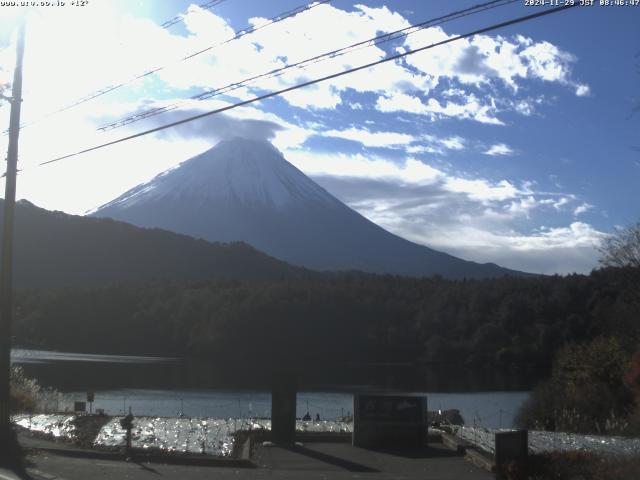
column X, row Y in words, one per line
column 156, row 386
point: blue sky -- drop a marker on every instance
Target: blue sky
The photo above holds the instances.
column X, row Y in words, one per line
column 518, row 146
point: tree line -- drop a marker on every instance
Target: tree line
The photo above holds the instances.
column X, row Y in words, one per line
column 508, row 322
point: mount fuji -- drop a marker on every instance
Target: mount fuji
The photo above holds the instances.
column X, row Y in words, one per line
column 245, row 190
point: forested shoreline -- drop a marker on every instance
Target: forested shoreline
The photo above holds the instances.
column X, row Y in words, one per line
column 507, row 322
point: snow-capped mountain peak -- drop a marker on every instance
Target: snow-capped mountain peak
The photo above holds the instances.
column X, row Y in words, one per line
column 252, row 172
column 245, row 190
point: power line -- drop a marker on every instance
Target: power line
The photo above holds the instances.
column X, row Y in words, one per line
column 238, row 34
column 384, row 38
column 278, row 18
column 179, row 18
column 317, row 80
column 205, row 6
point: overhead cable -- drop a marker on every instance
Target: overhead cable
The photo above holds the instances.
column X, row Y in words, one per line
column 317, row 80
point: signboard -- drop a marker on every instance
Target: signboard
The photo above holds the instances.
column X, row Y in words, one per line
column 510, row 447
column 389, row 420
column 79, row 406
column 90, row 396
column 388, row 408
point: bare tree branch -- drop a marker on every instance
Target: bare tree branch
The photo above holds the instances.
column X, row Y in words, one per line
column 622, row 249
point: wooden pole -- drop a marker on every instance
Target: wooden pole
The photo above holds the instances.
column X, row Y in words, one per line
column 6, row 268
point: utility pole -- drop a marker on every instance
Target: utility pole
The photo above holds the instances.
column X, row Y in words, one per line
column 6, row 288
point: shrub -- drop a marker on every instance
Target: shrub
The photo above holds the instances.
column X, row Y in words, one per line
column 586, row 392
column 25, row 392
column 575, row 465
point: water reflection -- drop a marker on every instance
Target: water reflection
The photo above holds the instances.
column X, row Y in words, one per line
column 171, row 387
column 79, row 371
column 22, row 356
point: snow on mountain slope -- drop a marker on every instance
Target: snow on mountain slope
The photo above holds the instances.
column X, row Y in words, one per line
column 247, row 171
column 245, row 190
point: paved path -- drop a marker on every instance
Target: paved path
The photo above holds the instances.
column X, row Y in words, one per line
column 341, row 460
column 8, row 475
column 335, row 461
column 50, row 460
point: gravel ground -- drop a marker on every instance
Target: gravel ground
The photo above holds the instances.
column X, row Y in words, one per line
column 210, row 436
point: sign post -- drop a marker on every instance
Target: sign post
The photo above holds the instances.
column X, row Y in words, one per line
column 90, row 398
column 127, row 424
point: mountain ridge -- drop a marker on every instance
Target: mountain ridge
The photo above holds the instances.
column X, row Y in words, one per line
column 55, row 249
column 245, row 190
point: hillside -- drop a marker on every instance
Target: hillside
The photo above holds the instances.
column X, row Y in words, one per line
column 53, row 249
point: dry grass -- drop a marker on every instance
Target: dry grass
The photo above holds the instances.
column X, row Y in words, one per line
column 576, row 466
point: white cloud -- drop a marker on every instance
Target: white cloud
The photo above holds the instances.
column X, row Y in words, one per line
column 561, row 203
column 500, row 149
column 318, row 96
column 476, row 218
column 359, row 166
column 524, row 108
column 453, row 143
column 567, row 249
column 547, row 62
column 409, row 171
column 583, row 90
column 582, row 208
column 483, row 190
column 435, row 145
column 478, row 60
column 410, row 143
column 575, row 235
column 305, row 36
column 208, row 27
column 416, row 149
column 474, row 221
column 471, row 108
column 523, row 206
column 371, row 139
column 400, row 102
column 468, row 61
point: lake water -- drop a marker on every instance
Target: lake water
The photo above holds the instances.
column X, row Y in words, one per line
column 162, row 387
